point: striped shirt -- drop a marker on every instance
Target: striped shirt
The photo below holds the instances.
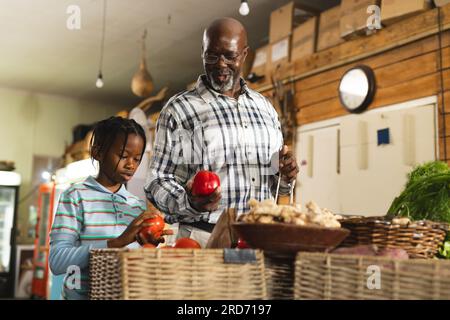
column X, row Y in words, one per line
column 87, row 216
column 201, row 129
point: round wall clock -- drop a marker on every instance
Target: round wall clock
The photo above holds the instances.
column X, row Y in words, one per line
column 357, row 89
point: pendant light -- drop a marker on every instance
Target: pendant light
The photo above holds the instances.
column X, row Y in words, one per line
column 142, row 82
column 99, row 83
column 244, row 8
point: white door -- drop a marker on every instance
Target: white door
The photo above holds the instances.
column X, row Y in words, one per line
column 317, row 155
column 372, row 175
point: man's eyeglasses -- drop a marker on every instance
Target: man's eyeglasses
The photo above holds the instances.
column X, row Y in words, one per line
column 213, row 58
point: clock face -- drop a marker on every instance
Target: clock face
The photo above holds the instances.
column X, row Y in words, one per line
column 357, row 88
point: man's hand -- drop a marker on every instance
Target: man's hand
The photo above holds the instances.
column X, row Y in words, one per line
column 208, row 203
column 288, row 165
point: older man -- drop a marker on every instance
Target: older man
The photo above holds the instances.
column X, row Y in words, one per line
column 221, row 126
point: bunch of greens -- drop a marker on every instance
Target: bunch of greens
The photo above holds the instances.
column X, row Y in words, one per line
column 426, row 194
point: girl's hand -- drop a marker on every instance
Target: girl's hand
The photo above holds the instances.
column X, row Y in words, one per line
column 151, row 239
column 131, row 233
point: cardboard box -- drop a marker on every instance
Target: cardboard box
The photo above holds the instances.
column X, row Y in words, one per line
column 284, row 19
column 395, row 10
column 260, row 61
column 304, row 39
column 441, row 3
column 354, row 17
column 328, row 32
column 279, row 55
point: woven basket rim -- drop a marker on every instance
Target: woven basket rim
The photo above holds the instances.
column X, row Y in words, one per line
column 365, row 257
column 382, row 220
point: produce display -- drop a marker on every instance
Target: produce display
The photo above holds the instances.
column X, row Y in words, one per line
column 268, row 211
column 205, row 182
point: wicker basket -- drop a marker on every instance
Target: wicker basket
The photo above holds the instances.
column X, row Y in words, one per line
column 420, row 239
column 280, row 271
column 175, row 274
column 345, row 277
column 105, row 274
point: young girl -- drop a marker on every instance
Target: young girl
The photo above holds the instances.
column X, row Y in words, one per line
column 99, row 212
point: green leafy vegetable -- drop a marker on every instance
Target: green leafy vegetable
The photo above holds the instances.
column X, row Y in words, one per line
column 426, row 194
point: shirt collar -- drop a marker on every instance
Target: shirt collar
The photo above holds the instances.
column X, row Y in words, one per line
column 208, row 94
column 90, row 182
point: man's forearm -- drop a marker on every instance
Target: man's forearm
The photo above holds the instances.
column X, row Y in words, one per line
column 171, row 198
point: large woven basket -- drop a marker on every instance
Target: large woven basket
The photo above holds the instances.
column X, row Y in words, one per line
column 280, row 271
column 105, row 274
column 175, row 274
column 421, row 240
column 345, row 277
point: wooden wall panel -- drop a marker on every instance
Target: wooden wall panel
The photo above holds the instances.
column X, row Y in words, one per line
column 444, row 119
column 386, row 76
column 442, row 154
column 411, row 50
column 417, row 27
column 408, row 90
column 447, row 102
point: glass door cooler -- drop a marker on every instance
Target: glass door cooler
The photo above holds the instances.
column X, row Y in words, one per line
column 9, row 191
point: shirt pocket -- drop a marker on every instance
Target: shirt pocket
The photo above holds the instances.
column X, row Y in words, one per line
column 263, row 149
column 217, row 144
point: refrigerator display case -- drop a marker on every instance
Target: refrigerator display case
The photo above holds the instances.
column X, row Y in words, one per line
column 9, row 192
column 41, row 244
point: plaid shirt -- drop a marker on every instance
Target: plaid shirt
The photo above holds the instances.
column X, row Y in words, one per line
column 203, row 130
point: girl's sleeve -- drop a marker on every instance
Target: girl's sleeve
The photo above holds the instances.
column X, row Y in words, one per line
column 65, row 248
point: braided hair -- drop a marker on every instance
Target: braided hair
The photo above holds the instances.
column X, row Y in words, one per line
column 106, row 132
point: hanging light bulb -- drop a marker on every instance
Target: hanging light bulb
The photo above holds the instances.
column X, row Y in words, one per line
column 244, row 8
column 99, row 82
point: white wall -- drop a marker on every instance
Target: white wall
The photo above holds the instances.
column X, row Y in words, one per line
column 41, row 124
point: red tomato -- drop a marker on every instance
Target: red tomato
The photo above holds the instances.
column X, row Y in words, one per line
column 155, row 229
column 187, row 243
column 242, row 244
column 149, row 246
column 205, row 182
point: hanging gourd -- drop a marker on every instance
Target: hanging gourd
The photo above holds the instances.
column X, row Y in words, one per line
column 142, row 82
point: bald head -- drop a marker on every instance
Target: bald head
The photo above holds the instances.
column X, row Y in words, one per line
column 224, row 52
column 225, row 28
